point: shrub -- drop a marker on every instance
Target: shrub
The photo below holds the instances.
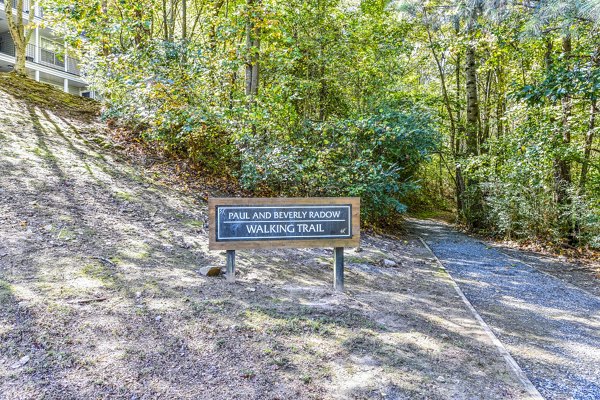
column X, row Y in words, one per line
column 373, row 157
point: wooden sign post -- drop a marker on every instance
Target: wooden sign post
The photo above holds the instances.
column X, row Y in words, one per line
column 264, row 223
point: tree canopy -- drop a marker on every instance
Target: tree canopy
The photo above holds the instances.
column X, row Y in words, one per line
column 486, row 108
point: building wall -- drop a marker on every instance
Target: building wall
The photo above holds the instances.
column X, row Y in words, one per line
column 74, row 90
column 53, row 83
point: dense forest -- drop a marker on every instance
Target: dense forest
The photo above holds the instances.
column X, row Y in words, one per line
column 485, row 108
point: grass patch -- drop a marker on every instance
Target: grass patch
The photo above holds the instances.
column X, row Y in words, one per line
column 303, row 321
column 193, row 223
column 213, row 306
column 44, row 153
column 102, row 143
column 66, row 234
column 306, row 319
column 135, row 250
column 99, row 271
column 6, row 292
column 306, row 379
column 367, row 343
column 124, row 196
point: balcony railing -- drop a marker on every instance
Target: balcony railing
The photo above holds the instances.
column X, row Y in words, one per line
column 26, row 7
column 46, row 57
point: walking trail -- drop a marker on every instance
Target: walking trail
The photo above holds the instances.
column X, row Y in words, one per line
column 100, row 297
column 551, row 328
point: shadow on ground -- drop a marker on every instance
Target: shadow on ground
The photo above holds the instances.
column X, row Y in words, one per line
column 101, row 299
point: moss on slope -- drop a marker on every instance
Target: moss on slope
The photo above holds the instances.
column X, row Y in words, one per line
column 48, row 97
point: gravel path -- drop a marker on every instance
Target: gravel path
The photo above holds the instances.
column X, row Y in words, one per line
column 551, row 328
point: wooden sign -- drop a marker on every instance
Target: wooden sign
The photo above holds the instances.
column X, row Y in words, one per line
column 242, row 223
column 262, row 223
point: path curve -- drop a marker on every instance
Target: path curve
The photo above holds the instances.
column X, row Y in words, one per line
column 551, row 328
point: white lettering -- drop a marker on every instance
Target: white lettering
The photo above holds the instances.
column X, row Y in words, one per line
column 270, row 228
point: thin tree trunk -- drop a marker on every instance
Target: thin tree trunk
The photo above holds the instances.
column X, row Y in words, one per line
column 233, row 82
column 589, row 137
column 19, row 33
column 589, row 140
column 165, row 21
column 252, row 49
column 474, row 208
column 252, row 53
column 141, row 33
column 255, row 68
column 184, row 19
column 440, row 177
column 212, row 35
column 457, row 143
column 562, row 167
column 322, row 87
column 485, row 132
column 249, row 48
column 500, row 104
column 459, row 188
column 445, row 95
column 472, row 126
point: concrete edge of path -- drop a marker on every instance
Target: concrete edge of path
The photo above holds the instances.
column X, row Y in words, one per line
column 533, row 393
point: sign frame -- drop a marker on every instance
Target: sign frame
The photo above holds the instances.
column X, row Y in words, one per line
column 263, row 243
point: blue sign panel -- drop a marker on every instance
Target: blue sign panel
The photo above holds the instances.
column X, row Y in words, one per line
column 294, row 222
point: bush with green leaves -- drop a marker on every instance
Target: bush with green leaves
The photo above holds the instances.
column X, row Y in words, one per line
column 374, row 157
column 169, row 93
column 518, row 186
column 165, row 91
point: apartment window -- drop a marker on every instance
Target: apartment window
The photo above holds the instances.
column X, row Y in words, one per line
column 51, row 52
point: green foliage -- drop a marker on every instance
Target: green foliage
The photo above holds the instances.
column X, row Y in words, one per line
column 527, row 166
column 560, row 82
column 331, row 98
column 374, row 157
column 317, row 126
column 162, row 91
column 516, row 175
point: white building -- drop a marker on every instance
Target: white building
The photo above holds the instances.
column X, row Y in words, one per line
column 48, row 57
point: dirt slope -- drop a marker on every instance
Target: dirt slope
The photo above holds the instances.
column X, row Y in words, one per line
column 100, row 298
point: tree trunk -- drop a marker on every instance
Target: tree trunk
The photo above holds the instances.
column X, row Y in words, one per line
column 249, row 43
column 562, row 167
column 141, row 32
column 589, row 137
column 172, row 14
column 457, row 141
column 252, row 49
column 322, row 86
column 105, row 41
column 473, row 203
column 20, row 59
column 472, row 126
column 454, row 147
column 18, row 32
column 500, row 102
column 184, row 19
column 472, row 197
column 165, row 21
column 587, row 152
column 487, row 111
